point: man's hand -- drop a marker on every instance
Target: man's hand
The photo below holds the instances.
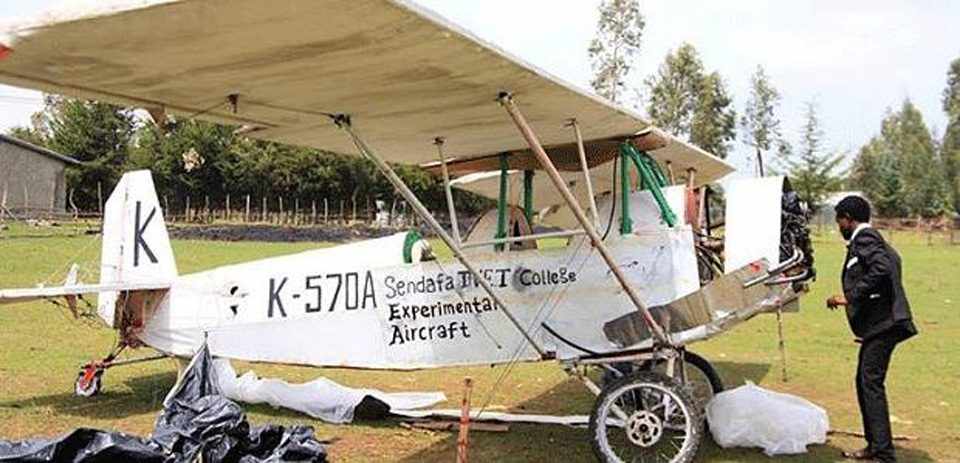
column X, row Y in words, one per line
column 836, row 301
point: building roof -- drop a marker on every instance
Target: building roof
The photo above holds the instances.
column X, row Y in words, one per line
column 39, row 150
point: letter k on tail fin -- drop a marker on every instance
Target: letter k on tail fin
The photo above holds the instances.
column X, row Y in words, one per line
column 136, row 247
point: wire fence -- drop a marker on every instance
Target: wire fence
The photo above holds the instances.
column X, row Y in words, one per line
column 367, row 213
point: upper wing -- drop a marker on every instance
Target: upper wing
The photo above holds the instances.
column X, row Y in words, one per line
column 14, row 296
column 404, row 74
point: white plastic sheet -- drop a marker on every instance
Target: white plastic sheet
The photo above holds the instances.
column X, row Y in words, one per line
column 321, row 398
column 750, row 416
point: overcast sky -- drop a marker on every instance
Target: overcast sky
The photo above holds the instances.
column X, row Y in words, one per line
column 854, row 58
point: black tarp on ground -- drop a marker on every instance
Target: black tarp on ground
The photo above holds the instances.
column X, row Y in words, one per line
column 196, row 420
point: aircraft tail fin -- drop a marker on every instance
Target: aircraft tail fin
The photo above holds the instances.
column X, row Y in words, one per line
column 136, row 247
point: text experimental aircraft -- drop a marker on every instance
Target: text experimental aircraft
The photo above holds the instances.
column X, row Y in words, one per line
column 636, row 275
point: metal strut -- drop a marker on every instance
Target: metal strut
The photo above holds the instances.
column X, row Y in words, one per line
column 586, row 169
column 451, row 208
column 506, row 100
column 343, row 121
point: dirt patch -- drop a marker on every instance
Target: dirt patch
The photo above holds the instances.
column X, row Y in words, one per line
column 274, row 233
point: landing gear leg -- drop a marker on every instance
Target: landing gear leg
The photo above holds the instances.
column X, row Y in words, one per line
column 90, row 379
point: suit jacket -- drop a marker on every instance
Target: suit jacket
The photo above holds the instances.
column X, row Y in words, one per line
column 872, row 286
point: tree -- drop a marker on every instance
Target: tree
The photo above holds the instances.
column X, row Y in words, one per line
column 187, row 158
column 875, row 172
column 950, row 146
column 921, row 170
column 813, row 173
column 714, row 123
column 28, row 135
column 690, row 103
column 673, row 90
column 617, row 42
column 760, row 123
column 900, row 171
column 198, row 159
column 97, row 134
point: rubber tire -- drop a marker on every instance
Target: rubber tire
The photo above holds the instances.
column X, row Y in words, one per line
column 95, row 386
column 700, row 363
column 649, row 377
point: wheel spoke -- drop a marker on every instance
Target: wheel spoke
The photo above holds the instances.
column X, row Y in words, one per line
column 645, row 421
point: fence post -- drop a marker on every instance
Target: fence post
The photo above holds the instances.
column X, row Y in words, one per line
column 393, row 211
column 187, row 212
column 280, row 212
column 206, row 208
column 227, row 215
column 296, row 211
column 324, row 211
column 263, row 210
column 313, row 207
column 246, row 210
column 73, row 206
column 100, row 198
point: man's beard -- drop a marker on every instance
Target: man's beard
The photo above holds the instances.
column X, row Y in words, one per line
column 846, row 233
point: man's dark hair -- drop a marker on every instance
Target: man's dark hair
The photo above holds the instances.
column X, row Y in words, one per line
column 853, row 207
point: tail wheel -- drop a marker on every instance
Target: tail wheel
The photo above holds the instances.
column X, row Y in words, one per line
column 89, row 381
column 645, row 416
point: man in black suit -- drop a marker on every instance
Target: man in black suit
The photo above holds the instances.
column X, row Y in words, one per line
column 879, row 316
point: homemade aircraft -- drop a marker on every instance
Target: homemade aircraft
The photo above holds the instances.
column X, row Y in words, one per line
column 634, row 274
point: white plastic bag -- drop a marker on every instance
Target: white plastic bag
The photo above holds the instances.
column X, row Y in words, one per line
column 751, row 416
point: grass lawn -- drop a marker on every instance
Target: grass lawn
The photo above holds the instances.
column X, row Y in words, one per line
column 41, row 348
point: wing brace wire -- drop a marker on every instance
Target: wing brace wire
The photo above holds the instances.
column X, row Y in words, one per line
column 343, row 121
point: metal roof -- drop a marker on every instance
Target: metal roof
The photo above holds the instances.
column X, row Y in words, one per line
column 39, row 150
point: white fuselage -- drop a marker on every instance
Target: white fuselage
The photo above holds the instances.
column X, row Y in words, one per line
column 355, row 305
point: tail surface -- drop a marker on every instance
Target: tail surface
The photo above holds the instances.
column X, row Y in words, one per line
column 136, row 247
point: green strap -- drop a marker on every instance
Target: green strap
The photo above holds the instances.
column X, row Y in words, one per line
column 502, row 202
column 412, row 237
column 652, row 178
column 528, row 196
column 626, row 223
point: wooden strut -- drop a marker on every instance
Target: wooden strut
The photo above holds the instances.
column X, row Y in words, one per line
column 506, row 100
column 586, row 170
column 420, row 210
column 451, row 207
column 463, row 439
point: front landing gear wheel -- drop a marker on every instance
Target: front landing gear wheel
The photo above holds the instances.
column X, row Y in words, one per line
column 88, row 382
column 645, row 416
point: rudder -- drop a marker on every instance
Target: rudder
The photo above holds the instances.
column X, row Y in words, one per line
column 136, row 247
